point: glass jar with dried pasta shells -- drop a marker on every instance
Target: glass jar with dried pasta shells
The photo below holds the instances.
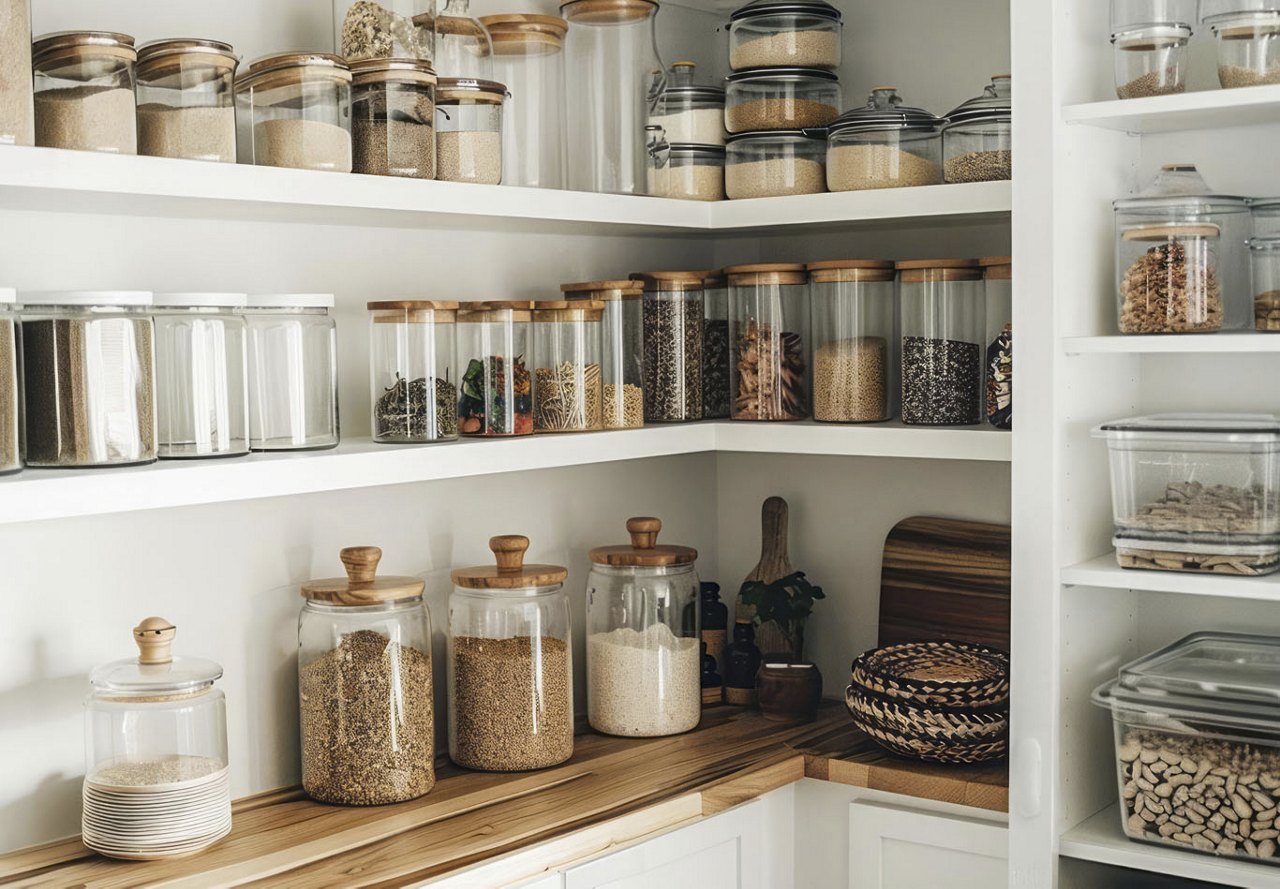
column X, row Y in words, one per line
column 567, row 384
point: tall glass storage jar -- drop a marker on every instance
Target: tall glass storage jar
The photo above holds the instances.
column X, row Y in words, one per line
column 528, row 56
column 884, row 145
column 393, row 118
column 186, row 100
column 469, row 130
column 854, row 350
column 942, row 324
column 779, row 33
column 385, row 29
column 88, row 376
column 644, row 663
column 977, row 138
column 496, row 393
column 293, row 372
column 157, row 783
column 768, row 341
column 672, row 346
column 10, row 385
column 510, row 663
column 17, row 117
column 294, row 110
column 365, row 700
column 463, row 46
column 84, row 98
column 997, row 278
column 202, row 389
column 622, row 348
column 1248, row 37
column 414, row 370
column 1264, row 255
column 613, row 79
column 567, row 384
column 715, row 347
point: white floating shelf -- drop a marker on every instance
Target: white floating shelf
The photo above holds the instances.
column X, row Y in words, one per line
column 1104, row 572
column 1243, row 341
column 1205, row 110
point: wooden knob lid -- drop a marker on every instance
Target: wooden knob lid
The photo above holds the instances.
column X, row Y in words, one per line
column 509, row 571
column 644, row 531
column 362, row 585
column 508, row 550
column 644, row 550
column 154, row 637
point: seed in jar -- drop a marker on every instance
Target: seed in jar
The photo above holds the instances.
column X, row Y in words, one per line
column 941, row 382
column 787, row 48
column 779, row 114
column 688, row 181
column 623, row 406
column 393, row 147
column 715, row 369
column 979, row 166
column 643, row 684
column 1153, row 83
column 672, row 359
column 469, row 157
column 850, row 384
column 1167, row 290
column 858, row 167
column 774, row 177
column 155, row 771
column 1233, row 76
column 770, row 368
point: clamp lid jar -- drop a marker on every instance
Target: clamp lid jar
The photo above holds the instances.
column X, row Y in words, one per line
column 689, row 113
column 775, row 33
column 1248, row 38
column 687, row 172
column 186, row 100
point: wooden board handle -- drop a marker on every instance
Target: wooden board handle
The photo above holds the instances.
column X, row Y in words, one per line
column 509, row 550
column 644, row 531
column 773, row 532
column 361, row 563
column 154, row 637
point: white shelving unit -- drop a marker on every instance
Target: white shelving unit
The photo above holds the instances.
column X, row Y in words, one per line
column 1104, row 573
column 1204, row 343
column 1209, row 109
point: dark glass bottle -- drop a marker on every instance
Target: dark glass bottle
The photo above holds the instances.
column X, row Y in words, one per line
column 715, row 622
column 741, row 665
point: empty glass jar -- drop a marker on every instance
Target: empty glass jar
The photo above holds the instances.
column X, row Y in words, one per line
column 977, row 138
column 942, row 324
column 997, row 278
column 1248, row 38
column 779, row 33
column 414, row 370
column 622, row 348
column 768, row 341
column 672, row 346
column 463, row 45
column 84, row 97
column 393, row 118
column 186, row 100
column 884, row 145
column 687, row 172
column 781, row 99
column 854, row 350
column 715, row 347
column 689, row 113
column 528, row 56
column 1265, row 257
column 386, row 29
column 10, row 392
column 567, row 384
column 469, row 130
column 295, row 111
column 17, row 121
column 496, row 394
column 766, row 164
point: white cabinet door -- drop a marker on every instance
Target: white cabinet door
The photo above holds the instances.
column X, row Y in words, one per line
column 900, row 848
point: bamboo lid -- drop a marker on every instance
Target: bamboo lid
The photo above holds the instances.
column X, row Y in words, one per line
column 1172, row 230
column 74, row 46
column 509, row 572
column 766, row 273
column 607, row 12
column 367, row 72
column 287, row 68
column 644, row 550
column 496, row 310
column 605, row 291
column 715, row 280
column 997, row 268
column 362, row 586
column 184, row 63
column 413, row 311
column 920, row 271
column 568, row 310
column 850, row 271
column 469, row 90
column 519, row 34
column 670, row 282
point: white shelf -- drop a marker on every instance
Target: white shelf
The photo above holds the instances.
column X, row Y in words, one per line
column 1101, row 839
column 1243, row 341
column 1104, row 572
column 1206, row 110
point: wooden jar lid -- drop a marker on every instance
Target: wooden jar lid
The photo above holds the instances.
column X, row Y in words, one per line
column 509, row 572
column 644, row 550
column 670, row 282
column 525, row 34
column 607, row 12
column 919, row 271
column 1172, row 230
column 48, row 50
column 850, row 271
column 496, row 310
column 362, row 586
column 568, row 310
column 154, row 637
column 413, row 311
column 997, row 268
column 767, row 273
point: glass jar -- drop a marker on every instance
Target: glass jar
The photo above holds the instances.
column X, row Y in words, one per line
column 365, row 699
column 766, row 164
column 566, row 350
column 463, row 46
column 672, row 346
column 295, row 111
column 1265, row 257
column 510, row 663
column 884, row 145
column 393, row 118
column 157, row 782
column 10, row 387
column 469, row 130
column 781, row 99
column 622, row 348
column 388, row 29
column 689, row 113
column 977, row 138
column 84, row 97
column 496, row 396
column 768, row 341
column 528, row 56
column 17, row 118
column 1266, row 217
column 293, row 372
column 644, row 664
column 1151, row 61
column 997, row 278
column 413, row 370
column 715, row 347
column 942, row 324
column 613, row 79
column 687, row 172
column 781, row 33
column 186, row 100
column 1248, row 38
column 88, row 376
column 853, row 342
column 202, row 390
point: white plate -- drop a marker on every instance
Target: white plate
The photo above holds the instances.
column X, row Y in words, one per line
column 176, row 786
column 111, row 839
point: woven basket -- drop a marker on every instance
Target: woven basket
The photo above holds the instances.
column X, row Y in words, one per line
column 936, row 674
column 929, row 742
column 908, row 720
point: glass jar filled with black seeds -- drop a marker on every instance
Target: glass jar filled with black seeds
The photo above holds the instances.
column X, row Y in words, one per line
column 673, row 338
column 413, row 370
column 715, row 347
column 943, row 320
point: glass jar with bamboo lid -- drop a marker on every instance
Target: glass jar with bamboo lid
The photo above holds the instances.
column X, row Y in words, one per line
column 942, row 324
column 294, row 110
column 854, row 349
column 673, row 315
column 469, row 130
column 84, row 91
column 622, row 348
column 413, row 370
column 393, row 118
column 186, row 100
column 768, row 341
column 495, row 396
column 567, row 385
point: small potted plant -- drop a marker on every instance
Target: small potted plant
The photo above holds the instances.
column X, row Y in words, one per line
column 788, row 687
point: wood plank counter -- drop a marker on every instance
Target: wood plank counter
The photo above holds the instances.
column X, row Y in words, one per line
column 612, row 791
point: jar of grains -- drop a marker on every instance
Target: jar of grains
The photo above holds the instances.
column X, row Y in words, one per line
column 766, row 164
column 1248, row 38
column 1265, row 256
column 715, row 347
column 365, row 702
column 644, row 664
column 10, row 394
column 84, row 95
column 413, row 370
column 567, row 381
column 186, row 100
column 295, row 111
column 853, row 344
column 689, row 113
column 942, row 324
column 672, row 346
column 977, row 138
column 884, row 145
column 510, row 663
column 622, row 348
column 496, row 394
column 687, row 172
column 17, row 120
column 781, row 99
column 202, row 389
column 1151, row 60
column 469, row 130
column 393, row 118
column 997, row 277
column 293, row 372
column 778, row 33
column 388, row 29
column 88, row 373
column 768, row 341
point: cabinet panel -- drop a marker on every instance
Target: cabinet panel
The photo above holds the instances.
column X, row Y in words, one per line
column 897, row 848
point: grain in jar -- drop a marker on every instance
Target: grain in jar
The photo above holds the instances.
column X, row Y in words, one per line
column 567, row 383
column 469, row 130
column 884, row 144
column 17, row 117
column 997, row 280
column 977, row 138
column 775, row 33
column 413, row 370
column 853, row 344
column 393, row 118
column 687, row 172
column 294, row 110
column 766, row 164
column 495, row 395
column 622, row 348
column 10, row 393
column 1151, row 60
column 672, row 346
column 768, row 341
column 781, row 99
column 942, row 325
column 689, row 113
column 84, row 91
column 1248, row 39
column 186, row 100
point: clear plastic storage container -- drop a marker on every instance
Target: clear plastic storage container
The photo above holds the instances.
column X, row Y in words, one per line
column 715, row 347
column 17, row 118
column 413, row 369
column 779, row 33
column 567, row 384
column 853, row 343
column 528, row 56
column 781, row 99
column 977, row 138
column 393, row 118
column 1248, row 38
column 293, row 372
column 687, row 112
column 644, row 662
column 1151, row 60
column 202, row 388
column 386, row 29
column 10, row 384
column 997, row 276
column 622, row 348
column 294, row 110
column 766, row 164
column 496, row 394
column 469, row 130
column 186, row 100
column 84, row 98
column 365, row 700
column 672, row 346
column 1265, row 254
column 943, row 325
column 88, row 375
column 884, row 145
column 510, row 663
column 687, row 172
column 1266, row 217
column 768, row 341
column 463, row 46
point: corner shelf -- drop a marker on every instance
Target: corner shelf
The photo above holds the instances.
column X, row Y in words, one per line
column 1203, row 343
column 1105, row 573
column 1203, row 110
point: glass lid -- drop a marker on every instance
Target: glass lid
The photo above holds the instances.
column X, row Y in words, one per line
column 792, row 73
column 155, row 672
column 995, row 103
column 780, row 7
column 680, row 85
column 884, row 111
column 1180, row 186
column 644, row 551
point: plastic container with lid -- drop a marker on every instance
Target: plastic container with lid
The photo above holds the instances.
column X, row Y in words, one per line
column 365, row 702
column 186, row 100
column 884, row 145
column 10, row 384
column 1196, row 492
column 393, row 118
column 673, row 315
column 1198, row 723
column 17, row 120
column 997, row 277
column 528, row 56
column 494, row 348
column 687, row 172
column 768, row 341
column 293, row 372
column 157, row 783
column 413, row 370
column 644, row 662
column 84, row 97
column 295, row 111
column 943, row 326
column 1265, row 256
column 689, row 113
column 88, row 375
column 510, row 663
column 622, row 348
column 202, row 390
column 779, row 33
column 977, row 138
column 567, row 379
column 464, row 48
column 770, row 163
column 386, row 29
column 469, row 130
column 715, row 347
column 1248, row 38
column 853, row 343
column 781, row 99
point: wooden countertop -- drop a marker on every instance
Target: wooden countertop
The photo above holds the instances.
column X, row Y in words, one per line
column 613, row 790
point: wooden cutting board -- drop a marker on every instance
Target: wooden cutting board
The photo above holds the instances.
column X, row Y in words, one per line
column 945, row 579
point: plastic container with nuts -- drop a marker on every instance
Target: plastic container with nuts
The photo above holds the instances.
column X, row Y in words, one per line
column 781, row 99
column 770, row 163
column 1248, row 38
column 779, row 33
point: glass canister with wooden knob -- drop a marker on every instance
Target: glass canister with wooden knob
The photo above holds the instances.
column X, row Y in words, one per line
column 364, row 686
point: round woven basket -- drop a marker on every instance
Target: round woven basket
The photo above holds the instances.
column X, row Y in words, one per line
column 909, row 720
column 942, row 674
